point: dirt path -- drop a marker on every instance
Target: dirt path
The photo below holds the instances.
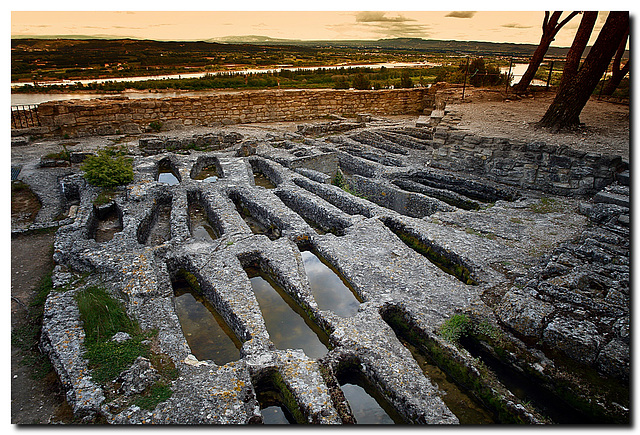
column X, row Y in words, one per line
column 36, row 396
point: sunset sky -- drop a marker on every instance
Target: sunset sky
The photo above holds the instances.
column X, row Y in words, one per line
column 496, row 26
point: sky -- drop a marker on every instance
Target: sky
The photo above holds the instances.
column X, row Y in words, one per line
column 204, row 24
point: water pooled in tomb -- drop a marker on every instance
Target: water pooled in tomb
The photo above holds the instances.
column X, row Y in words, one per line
column 166, row 174
column 208, row 174
column 287, row 324
column 200, row 226
column 367, row 405
column 207, row 334
column 107, row 223
column 263, row 180
column 330, row 291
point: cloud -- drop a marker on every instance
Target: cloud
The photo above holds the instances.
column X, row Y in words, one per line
column 461, row 14
column 378, row 25
column 400, row 30
column 515, row 26
column 379, row 17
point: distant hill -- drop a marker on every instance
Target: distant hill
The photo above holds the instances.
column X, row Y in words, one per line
column 414, row 44
column 253, row 39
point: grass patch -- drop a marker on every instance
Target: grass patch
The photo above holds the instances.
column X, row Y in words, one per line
column 60, row 155
column 102, row 317
column 104, row 197
column 341, row 181
column 547, row 205
column 159, row 393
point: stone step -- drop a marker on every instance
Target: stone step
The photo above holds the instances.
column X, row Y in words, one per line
column 623, row 177
column 423, row 121
column 623, row 219
column 612, row 198
column 437, row 114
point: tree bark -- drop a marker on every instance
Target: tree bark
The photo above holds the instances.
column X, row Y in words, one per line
column 550, row 28
column 564, row 111
column 577, row 47
column 617, row 73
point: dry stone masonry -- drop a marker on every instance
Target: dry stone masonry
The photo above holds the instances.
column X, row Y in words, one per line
column 426, row 225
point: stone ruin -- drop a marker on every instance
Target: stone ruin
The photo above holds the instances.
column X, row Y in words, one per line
column 417, row 241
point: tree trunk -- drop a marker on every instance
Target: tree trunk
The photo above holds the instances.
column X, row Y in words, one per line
column 577, row 47
column 550, row 28
column 564, row 111
column 615, row 80
column 617, row 73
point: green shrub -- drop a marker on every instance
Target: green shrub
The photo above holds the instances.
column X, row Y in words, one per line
column 455, row 328
column 156, row 125
column 108, row 169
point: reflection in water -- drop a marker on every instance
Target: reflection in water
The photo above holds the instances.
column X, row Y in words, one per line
column 365, row 408
column 288, row 326
column 256, row 227
column 329, row 290
column 271, row 399
column 464, row 405
column 208, row 174
column 200, row 227
column 167, row 177
column 366, row 403
column 274, row 415
column 207, row 334
column 262, row 180
column 461, row 404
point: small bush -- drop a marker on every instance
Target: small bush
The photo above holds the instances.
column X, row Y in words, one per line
column 156, row 125
column 60, row 155
column 455, row 328
column 108, row 169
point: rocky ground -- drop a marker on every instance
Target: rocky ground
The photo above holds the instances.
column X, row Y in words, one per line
column 40, row 401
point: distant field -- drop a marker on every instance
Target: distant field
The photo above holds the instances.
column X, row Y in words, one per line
column 68, row 59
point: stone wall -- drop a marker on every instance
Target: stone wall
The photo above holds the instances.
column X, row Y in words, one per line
column 554, row 169
column 122, row 115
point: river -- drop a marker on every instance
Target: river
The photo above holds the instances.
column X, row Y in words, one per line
column 25, row 99
column 517, row 70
